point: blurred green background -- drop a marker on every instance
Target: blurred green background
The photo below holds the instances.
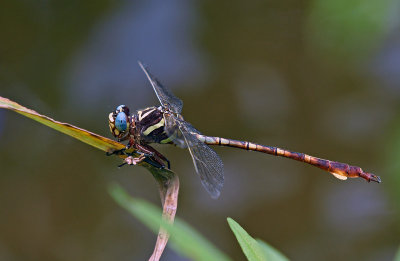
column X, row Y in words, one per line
column 320, row 77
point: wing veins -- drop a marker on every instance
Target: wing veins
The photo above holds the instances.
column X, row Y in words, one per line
column 164, row 95
column 207, row 163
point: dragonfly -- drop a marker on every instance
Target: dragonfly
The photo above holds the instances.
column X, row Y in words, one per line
column 165, row 125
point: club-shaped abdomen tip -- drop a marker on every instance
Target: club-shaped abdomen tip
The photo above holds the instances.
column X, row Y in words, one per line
column 369, row 176
column 374, row 178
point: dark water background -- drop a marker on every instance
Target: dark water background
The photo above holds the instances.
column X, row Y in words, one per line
column 320, row 77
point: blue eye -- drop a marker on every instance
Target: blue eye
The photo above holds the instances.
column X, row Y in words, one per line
column 120, row 108
column 120, row 122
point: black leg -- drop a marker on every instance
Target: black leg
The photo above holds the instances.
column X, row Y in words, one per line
column 169, row 164
column 154, row 163
column 157, row 156
column 123, row 164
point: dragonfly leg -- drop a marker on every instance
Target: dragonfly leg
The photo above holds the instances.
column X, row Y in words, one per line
column 157, row 156
column 133, row 160
column 154, row 163
column 129, row 149
column 164, row 159
column 144, row 157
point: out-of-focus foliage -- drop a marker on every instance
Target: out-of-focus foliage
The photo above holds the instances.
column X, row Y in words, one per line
column 255, row 250
column 349, row 30
column 185, row 239
column 249, row 245
column 270, row 252
column 397, row 256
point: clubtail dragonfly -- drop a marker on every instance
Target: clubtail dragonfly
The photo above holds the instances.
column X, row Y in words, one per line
column 165, row 125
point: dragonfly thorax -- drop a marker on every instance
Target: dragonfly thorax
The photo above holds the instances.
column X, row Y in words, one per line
column 145, row 126
column 150, row 125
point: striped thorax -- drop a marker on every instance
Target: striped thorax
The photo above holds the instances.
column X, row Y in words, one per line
column 150, row 124
column 145, row 126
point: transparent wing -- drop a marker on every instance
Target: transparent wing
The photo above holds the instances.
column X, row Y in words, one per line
column 171, row 128
column 206, row 161
column 164, row 95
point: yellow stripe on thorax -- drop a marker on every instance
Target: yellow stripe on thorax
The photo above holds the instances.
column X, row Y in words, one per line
column 141, row 115
column 153, row 127
column 167, row 140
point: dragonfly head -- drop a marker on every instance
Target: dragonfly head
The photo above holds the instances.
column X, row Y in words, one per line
column 118, row 122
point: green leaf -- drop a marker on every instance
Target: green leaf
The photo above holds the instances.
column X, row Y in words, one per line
column 249, row 245
column 93, row 139
column 185, row 239
column 255, row 250
column 397, row 255
column 85, row 136
column 271, row 253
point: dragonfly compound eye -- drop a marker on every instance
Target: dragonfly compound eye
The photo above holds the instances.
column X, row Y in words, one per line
column 121, row 122
column 122, row 108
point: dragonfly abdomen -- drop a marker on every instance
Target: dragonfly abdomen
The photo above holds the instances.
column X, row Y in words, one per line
column 338, row 169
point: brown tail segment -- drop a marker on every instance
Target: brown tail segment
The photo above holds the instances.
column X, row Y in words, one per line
column 338, row 169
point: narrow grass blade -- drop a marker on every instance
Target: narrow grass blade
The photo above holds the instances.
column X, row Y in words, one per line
column 397, row 255
column 185, row 239
column 249, row 245
column 271, row 253
column 83, row 135
column 255, row 250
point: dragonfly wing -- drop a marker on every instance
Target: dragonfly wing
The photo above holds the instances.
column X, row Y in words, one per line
column 171, row 128
column 206, row 161
column 164, row 95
